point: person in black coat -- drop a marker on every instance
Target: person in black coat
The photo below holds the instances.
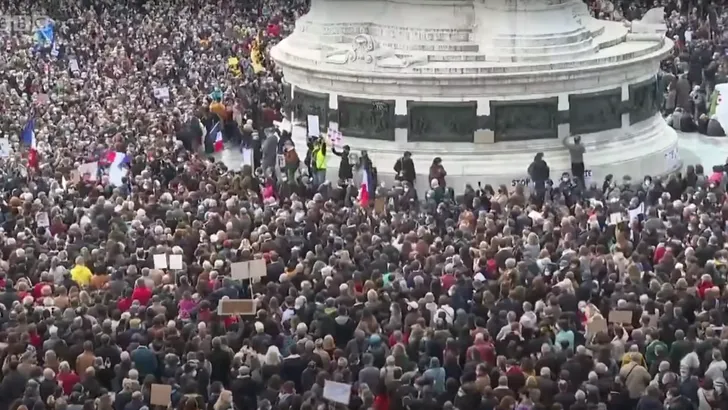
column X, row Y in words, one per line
column 345, row 169
column 405, row 168
column 12, row 386
column 221, row 363
column 539, row 173
column 245, row 390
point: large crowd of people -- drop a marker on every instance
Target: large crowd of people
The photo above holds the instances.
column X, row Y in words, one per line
column 582, row 297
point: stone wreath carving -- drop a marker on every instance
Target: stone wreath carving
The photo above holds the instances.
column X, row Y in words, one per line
column 362, row 46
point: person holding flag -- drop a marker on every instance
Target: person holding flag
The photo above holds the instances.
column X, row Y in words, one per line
column 27, row 138
column 213, row 141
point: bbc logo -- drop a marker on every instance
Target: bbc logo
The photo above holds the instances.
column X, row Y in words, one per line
column 22, row 23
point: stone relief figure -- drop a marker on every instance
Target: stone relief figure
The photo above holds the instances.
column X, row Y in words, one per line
column 307, row 105
column 380, row 116
column 365, row 50
column 420, row 124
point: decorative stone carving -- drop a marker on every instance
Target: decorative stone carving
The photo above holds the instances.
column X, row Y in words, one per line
column 442, row 123
column 365, row 50
column 525, row 120
column 361, row 49
column 596, row 111
column 367, row 119
column 644, row 101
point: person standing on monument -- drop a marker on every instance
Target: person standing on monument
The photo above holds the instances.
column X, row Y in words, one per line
column 405, row 168
column 539, row 173
column 576, row 151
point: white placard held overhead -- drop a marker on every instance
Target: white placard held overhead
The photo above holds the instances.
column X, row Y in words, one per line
column 42, row 219
column 161, row 93
column 89, row 171
column 247, row 154
column 73, row 66
column 634, row 214
column 239, row 270
column 5, row 148
column 615, row 218
column 175, row 262
column 337, row 392
column 160, row 261
column 313, row 126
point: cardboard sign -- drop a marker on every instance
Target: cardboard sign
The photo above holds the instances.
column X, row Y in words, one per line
column 249, row 269
column 160, row 261
column 620, row 316
column 161, row 395
column 175, row 262
column 595, row 325
column 337, row 392
column 231, row 307
column 380, row 205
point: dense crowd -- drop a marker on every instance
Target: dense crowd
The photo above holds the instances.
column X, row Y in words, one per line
column 580, row 297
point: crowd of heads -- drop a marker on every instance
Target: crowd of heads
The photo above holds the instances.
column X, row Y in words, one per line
column 587, row 296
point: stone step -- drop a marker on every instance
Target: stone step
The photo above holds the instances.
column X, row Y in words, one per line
column 572, row 37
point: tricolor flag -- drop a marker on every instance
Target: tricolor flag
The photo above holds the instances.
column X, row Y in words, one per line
column 364, row 189
column 28, row 139
column 116, row 159
column 215, row 135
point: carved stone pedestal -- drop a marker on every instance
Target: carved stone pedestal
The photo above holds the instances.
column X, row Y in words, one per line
column 494, row 79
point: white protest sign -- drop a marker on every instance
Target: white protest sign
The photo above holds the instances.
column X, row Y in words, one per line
column 615, row 218
column 239, row 270
column 672, row 159
column 73, row 66
column 175, row 262
column 160, row 261
column 313, row 126
column 283, row 125
column 635, row 213
column 588, row 177
column 89, row 170
column 5, row 148
column 161, row 93
column 337, row 392
column 247, row 154
column 42, row 219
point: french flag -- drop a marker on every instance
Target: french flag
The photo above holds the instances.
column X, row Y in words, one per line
column 364, row 189
column 28, row 139
column 116, row 159
column 216, row 133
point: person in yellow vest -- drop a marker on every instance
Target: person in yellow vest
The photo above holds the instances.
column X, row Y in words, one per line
column 318, row 162
column 80, row 273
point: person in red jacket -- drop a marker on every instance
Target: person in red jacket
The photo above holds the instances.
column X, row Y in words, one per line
column 141, row 293
column 706, row 282
column 67, row 378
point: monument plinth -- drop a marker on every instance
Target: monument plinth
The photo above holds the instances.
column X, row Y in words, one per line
column 483, row 84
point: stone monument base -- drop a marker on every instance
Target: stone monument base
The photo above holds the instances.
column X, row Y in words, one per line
column 646, row 148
